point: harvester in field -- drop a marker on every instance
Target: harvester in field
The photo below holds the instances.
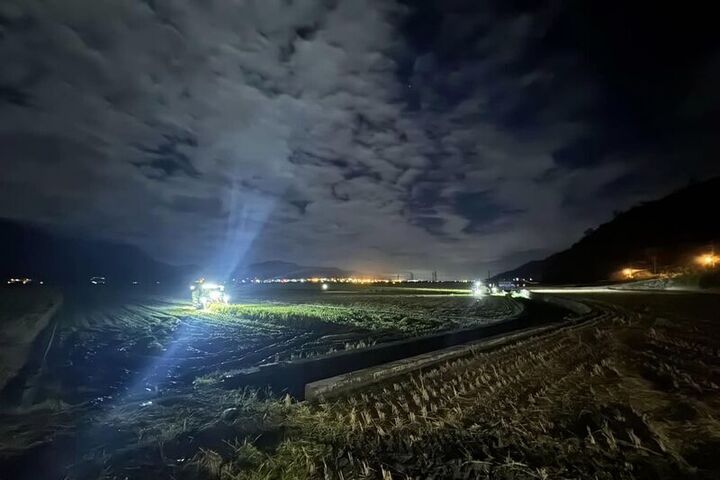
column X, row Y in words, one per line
column 479, row 289
column 205, row 294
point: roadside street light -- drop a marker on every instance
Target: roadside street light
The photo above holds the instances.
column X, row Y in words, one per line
column 628, row 272
column 708, row 260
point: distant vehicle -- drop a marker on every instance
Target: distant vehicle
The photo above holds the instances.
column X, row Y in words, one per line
column 205, row 294
column 479, row 289
column 507, row 286
column 98, row 280
column 515, row 288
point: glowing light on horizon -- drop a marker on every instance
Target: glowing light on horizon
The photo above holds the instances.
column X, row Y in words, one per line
column 629, row 272
column 577, row 290
column 708, row 260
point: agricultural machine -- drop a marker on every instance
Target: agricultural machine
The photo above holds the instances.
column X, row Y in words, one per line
column 205, row 294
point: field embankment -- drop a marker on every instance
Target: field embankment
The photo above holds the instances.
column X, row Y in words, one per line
column 24, row 313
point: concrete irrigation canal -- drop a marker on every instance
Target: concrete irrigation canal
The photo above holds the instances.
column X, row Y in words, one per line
column 293, row 376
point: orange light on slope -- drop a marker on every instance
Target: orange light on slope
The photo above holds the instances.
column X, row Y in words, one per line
column 708, row 260
column 628, row 272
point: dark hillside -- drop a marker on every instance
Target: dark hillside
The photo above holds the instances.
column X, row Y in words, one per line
column 277, row 269
column 665, row 232
column 31, row 251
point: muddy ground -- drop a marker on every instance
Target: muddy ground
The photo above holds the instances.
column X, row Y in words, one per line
column 154, row 367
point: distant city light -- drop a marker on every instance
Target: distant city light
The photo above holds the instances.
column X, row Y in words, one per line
column 321, row 280
column 330, row 280
column 324, row 286
column 580, row 290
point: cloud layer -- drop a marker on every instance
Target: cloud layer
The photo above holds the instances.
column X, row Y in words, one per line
column 325, row 132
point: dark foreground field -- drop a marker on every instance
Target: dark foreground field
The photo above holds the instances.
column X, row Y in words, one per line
column 159, row 370
column 630, row 392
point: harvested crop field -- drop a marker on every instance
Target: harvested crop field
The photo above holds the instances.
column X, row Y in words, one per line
column 109, row 352
column 110, row 344
column 626, row 394
column 629, row 390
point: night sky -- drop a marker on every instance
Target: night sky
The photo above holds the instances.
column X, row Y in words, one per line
column 380, row 136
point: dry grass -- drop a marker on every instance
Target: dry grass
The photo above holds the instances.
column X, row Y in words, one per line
column 623, row 396
column 629, row 394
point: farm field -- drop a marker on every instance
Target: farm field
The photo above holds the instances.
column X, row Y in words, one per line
column 104, row 340
column 118, row 356
column 632, row 392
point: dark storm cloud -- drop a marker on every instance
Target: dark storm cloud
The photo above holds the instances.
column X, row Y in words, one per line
column 170, row 157
column 206, row 206
column 13, row 95
column 301, row 205
column 534, row 106
column 371, row 134
column 481, row 210
column 583, row 152
column 433, row 225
